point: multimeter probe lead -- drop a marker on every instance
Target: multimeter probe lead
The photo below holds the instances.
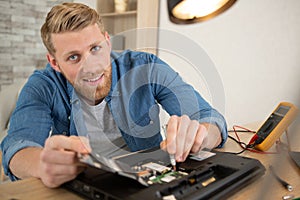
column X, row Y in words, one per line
column 282, row 182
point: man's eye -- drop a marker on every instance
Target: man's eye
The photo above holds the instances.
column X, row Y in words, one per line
column 96, row 48
column 73, row 58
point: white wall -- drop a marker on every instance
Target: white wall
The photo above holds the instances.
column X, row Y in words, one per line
column 91, row 3
column 255, row 47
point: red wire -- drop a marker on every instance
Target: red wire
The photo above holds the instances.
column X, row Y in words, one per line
column 251, row 141
column 236, row 126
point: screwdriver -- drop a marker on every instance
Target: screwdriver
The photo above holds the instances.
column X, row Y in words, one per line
column 172, row 156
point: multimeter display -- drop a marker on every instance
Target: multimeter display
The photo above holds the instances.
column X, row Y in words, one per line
column 275, row 125
column 272, row 122
column 282, row 110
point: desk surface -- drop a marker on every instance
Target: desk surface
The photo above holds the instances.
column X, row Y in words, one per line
column 265, row 187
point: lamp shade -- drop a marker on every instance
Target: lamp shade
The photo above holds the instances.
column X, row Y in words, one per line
column 192, row 11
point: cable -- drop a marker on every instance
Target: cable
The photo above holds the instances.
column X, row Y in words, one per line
column 243, row 145
column 240, row 143
column 250, row 146
column 281, row 181
column 245, row 131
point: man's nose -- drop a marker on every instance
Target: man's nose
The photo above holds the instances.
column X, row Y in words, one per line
column 90, row 63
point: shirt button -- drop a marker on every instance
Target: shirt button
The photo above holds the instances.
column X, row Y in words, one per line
column 151, row 122
column 64, row 133
column 69, row 117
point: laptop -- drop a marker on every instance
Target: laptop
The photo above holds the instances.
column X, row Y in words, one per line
column 149, row 175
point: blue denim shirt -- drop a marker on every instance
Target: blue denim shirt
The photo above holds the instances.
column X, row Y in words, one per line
column 48, row 105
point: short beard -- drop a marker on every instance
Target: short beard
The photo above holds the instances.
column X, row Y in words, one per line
column 95, row 95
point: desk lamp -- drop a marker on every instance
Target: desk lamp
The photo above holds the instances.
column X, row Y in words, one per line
column 192, row 11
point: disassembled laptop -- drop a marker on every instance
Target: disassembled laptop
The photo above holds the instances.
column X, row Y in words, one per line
column 148, row 172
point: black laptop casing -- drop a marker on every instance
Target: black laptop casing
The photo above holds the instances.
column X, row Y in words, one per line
column 217, row 177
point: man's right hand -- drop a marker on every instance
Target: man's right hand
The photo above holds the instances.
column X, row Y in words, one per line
column 59, row 159
column 54, row 164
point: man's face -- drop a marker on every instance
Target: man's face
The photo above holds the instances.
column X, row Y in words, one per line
column 83, row 57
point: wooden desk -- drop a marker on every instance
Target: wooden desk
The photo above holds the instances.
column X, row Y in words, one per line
column 267, row 187
column 264, row 188
column 33, row 188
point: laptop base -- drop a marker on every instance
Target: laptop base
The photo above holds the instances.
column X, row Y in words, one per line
column 217, row 177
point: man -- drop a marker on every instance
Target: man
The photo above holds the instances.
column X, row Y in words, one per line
column 119, row 90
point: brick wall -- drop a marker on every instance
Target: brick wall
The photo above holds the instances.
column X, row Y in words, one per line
column 21, row 47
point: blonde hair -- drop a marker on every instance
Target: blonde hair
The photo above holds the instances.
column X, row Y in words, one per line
column 68, row 17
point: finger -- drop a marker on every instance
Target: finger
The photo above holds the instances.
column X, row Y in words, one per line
column 58, row 179
column 190, row 138
column 183, row 125
column 163, row 145
column 59, row 156
column 61, row 169
column 200, row 136
column 59, row 142
column 171, row 134
column 85, row 141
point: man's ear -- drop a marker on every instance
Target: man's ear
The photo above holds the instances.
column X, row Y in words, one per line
column 53, row 62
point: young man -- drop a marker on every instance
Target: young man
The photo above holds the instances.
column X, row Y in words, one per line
column 117, row 95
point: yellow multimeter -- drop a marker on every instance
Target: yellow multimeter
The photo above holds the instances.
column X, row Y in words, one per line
column 275, row 125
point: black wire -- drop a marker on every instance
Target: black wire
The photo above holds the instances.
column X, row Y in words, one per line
column 236, row 153
column 240, row 131
column 242, row 144
column 281, row 181
column 233, row 139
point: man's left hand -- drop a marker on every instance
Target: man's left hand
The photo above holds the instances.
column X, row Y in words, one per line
column 184, row 136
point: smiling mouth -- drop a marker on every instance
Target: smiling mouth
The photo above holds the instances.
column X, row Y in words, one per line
column 94, row 79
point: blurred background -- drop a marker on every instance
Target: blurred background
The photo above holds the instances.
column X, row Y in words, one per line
column 254, row 46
